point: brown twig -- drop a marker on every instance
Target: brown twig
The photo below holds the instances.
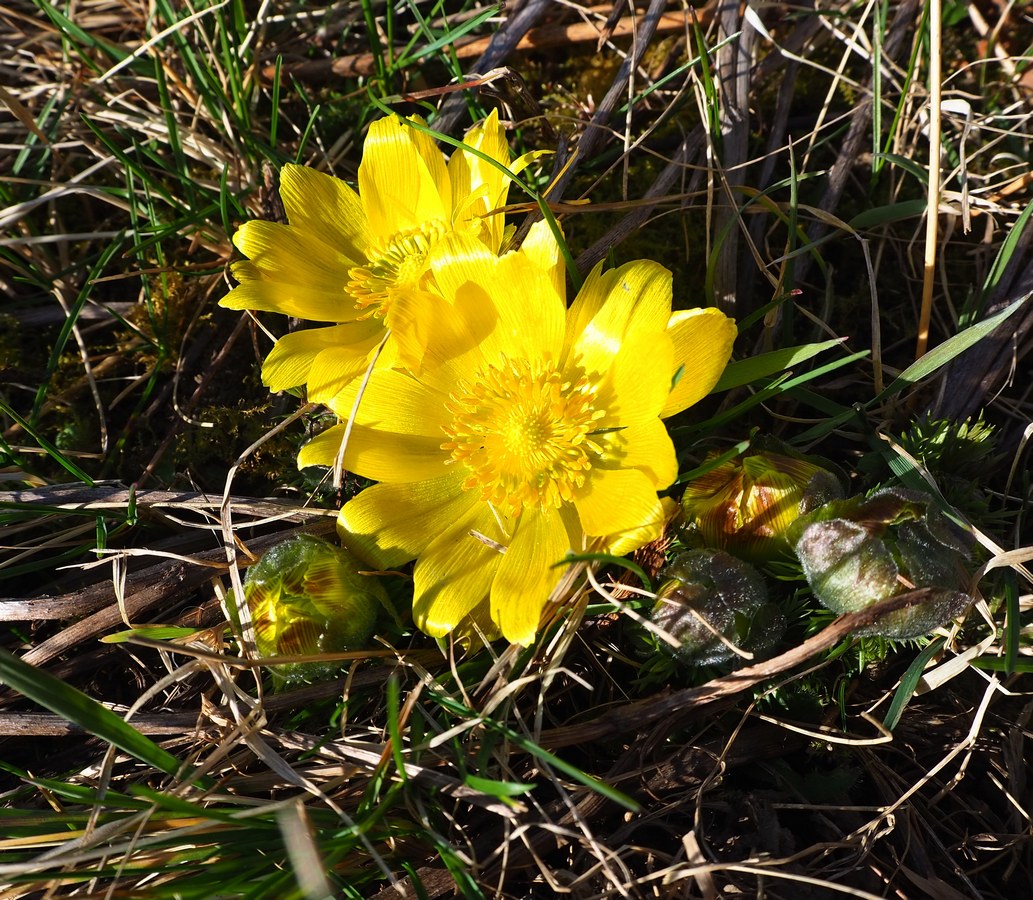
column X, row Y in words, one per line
column 541, row 38
column 641, row 713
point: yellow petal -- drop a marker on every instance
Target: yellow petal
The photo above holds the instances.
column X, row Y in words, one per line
column 476, row 628
column 648, row 446
column 587, row 303
column 614, row 501
column 530, row 313
column 337, row 368
column 531, row 309
column 291, row 359
column 477, row 186
column 541, row 248
column 290, row 273
column 399, row 181
column 395, row 402
column 454, row 574
column 703, row 341
column 526, row 574
column 633, row 299
column 389, row 524
column 430, row 330
column 378, row 455
column 629, row 541
column 326, row 207
column 635, row 386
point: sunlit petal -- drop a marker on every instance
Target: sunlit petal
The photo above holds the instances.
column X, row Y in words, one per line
column 398, row 189
column 541, row 248
column 616, row 500
column 283, row 253
column 703, row 341
column 528, row 573
column 390, row 524
column 325, row 207
column 431, row 330
column 647, row 446
column 632, row 539
column 395, row 402
column 618, row 305
column 454, row 574
column 478, row 187
column 378, row 455
column 291, row 360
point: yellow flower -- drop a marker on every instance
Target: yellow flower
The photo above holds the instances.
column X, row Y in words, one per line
column 537, row 431
column 360, row 259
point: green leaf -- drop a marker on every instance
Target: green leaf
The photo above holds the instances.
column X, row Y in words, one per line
column 891, row 212
column 940, row 355
column 908, row 165
column 503, row 790
column 1006, row 252
column 151, row 633
column 746, row 371
column 906, row 688
column 75, row 706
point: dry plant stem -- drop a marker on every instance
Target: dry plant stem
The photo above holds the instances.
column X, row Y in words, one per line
column 733, row 69
column 632, row 221
column 596, row 133
column 858, row 133
column 493, row 53
column 932, row 212
column 33, row 724
column 518, row 34
column 682, row 769
column 637, row 715
column 155, row 585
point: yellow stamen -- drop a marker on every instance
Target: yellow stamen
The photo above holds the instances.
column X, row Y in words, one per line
column 401, row 264
column 523, row 430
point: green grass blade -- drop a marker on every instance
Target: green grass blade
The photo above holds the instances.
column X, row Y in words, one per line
column 48, row 447
column 942, row 354
column 72, row 704
column 448, row 37
column 1012, row 621
column 746, row 371
column 1006, row 252
column 906, row 688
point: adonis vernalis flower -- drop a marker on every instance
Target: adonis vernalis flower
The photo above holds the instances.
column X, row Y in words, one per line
column 536, row 431
column 359, row 260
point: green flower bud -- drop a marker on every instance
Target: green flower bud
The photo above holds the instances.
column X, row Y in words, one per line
column 307, row 597
column 856, row 552
column 716, row 588
column 747, row 504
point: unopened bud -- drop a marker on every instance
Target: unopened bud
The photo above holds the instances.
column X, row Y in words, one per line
column 856, row 552
column 308, row 597
column 714, row 603
column 746, row 505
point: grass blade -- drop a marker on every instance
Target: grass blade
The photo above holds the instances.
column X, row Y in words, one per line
column 75, row 706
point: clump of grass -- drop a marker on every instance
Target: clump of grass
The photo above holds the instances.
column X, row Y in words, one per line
column 788, row 169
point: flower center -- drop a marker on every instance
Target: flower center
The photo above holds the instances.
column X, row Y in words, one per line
column 524, row 431
column 401, row 264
